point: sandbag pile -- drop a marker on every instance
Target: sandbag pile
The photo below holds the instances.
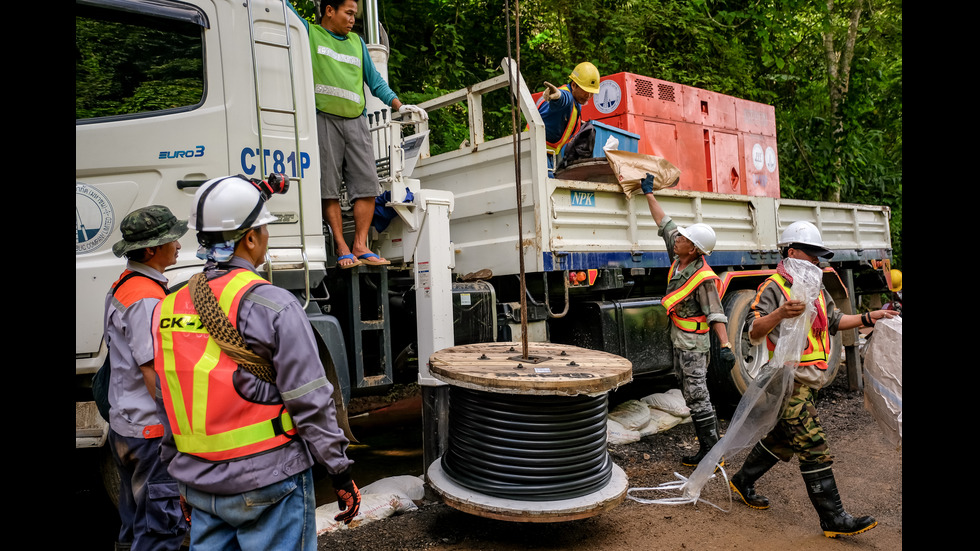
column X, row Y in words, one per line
column 632, row 420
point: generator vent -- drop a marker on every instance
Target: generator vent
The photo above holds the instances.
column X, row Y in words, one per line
column 645, row 88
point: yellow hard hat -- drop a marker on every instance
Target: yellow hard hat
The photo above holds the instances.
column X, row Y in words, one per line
column 586, row 76
column 896, row 285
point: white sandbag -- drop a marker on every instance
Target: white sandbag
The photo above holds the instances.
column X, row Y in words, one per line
column 409, row 489
column 883, row 378
column 618, row 434
column 661, row 420
column 373, row 507
column 671, row 401
column 632, row 414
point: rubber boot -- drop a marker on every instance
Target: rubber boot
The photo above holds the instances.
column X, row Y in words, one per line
column 706, row 428
column 758, row 462
column 822, row 489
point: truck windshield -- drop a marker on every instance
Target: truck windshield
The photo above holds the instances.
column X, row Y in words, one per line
column 132, row 64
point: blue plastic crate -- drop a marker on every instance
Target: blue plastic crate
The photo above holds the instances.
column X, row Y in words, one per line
column 628, row 141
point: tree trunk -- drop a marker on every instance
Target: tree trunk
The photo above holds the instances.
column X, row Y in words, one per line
column 838, row 80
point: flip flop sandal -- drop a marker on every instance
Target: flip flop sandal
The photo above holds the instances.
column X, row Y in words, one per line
column 372, row 259
column 348, row 257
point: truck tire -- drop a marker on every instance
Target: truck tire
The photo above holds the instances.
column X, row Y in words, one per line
column 729, row 386
column 110, row 474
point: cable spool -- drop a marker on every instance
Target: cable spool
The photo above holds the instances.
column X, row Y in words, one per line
column 527, row 436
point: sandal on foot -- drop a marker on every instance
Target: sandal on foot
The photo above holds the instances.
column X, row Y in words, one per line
column 372, row 259
column 348, row 257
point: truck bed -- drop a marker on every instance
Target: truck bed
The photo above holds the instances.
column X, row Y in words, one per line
column 572, row 224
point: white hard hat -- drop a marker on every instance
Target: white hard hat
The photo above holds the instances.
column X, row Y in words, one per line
column 806, row 235
column 229, row 203
column 701, row 235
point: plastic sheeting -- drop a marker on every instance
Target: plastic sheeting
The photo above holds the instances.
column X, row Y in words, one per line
column 762, row 402
column 883, row 378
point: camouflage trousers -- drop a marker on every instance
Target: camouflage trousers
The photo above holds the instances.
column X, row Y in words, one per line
column 798, row 431
column 693, row 369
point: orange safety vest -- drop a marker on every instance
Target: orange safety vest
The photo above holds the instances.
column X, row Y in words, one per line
column 574, row 123
column 816, row 351
column 130, row 288
column 695, row 324
column 208, row 417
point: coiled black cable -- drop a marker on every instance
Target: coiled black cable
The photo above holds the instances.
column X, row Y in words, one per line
column 527, row 447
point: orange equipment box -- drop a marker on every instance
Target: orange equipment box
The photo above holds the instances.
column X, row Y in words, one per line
column 720, row 143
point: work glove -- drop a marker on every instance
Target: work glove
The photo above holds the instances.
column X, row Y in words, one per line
column 348, row 496
column 646, row 184
column 406, row 109
column 551, row 92
column 727, row 359
column 186, row 509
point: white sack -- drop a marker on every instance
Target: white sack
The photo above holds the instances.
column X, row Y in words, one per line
column 671, row 402
column 617, row 434
column 632, row 414
column 883, row 378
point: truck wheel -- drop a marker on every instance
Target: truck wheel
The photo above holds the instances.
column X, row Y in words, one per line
column 749, row 359
column 110, row 474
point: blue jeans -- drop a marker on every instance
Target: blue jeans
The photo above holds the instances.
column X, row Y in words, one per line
column 149, row 506
column 277, row 516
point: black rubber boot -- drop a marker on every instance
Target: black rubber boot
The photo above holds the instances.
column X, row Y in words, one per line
column 822, row 489
column 706, row 428
column 758, row 462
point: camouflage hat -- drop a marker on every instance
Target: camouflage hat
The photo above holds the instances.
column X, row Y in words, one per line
column 148, row 227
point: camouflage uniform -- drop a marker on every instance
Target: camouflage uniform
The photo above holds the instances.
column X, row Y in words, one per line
column 691, row 349
column 798, row 431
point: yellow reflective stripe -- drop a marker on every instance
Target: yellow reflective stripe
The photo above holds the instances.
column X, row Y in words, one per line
column 192, row 435
column 167, row 318
column 199, row 443
column 687, row 324
column 681, row 293
column 820, row 349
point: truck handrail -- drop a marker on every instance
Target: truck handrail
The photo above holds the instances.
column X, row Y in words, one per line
column 286, row 46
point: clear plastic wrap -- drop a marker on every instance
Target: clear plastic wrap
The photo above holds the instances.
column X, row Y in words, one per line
column 763, row 400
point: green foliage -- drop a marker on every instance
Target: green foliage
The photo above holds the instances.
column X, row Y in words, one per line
column 137, row 70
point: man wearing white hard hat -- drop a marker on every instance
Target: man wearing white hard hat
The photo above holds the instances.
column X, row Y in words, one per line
column 246, row 406
column 798, row 431
column 695, row 309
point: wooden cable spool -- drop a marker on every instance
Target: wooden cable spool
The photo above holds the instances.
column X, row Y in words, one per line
column 527, row 434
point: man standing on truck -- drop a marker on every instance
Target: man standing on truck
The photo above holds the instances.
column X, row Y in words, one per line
column 561, row 108
column 148, row 498
column 694, row 307
column 246, row 405
column 341, row 68
column 798, row 430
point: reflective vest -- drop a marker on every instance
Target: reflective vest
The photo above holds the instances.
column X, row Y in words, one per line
column 571, row 128
column 134, row 286
column 816, row 351
column 338, row 73
column 208, row 417
column 695, row 324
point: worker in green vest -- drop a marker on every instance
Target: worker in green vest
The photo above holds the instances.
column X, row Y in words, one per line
column 341, row 69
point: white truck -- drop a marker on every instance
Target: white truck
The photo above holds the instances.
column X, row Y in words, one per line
column 172, row 93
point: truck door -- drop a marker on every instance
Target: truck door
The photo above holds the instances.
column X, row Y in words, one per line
column 149, row 114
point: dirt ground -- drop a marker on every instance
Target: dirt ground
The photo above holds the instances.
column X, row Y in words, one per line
column 868, row 471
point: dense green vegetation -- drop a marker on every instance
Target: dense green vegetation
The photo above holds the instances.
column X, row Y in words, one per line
column 832, row 69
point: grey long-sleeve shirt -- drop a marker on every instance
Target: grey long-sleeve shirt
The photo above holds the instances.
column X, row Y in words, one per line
column 274, row 325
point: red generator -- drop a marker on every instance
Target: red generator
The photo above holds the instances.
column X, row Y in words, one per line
column 720, row 143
